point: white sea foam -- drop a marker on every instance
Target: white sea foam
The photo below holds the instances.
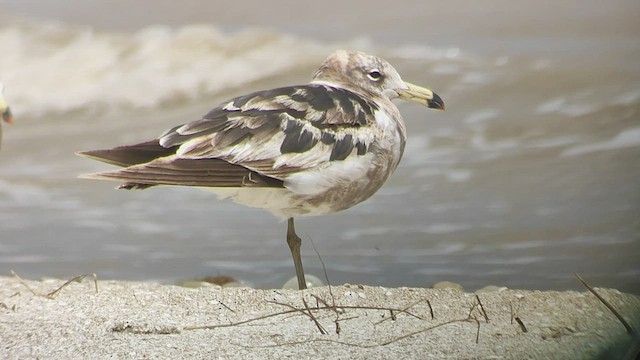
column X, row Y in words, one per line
column 625, row 139
column 627, row 98
column 553, row 142
column 482, row 116
column 422, row 52
column 445, row 228
column 577, row 105
column 458, row 175
column 431, row 229
column 53, row 67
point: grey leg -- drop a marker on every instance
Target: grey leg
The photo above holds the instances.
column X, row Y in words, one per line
column 294, row 245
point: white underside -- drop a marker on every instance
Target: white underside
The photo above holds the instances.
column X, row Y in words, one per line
column 329, row 186
column 274, row 200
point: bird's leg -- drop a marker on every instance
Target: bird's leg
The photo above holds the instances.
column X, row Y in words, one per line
column 294, row 245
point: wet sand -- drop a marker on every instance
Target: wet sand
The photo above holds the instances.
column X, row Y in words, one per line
column 145, row 320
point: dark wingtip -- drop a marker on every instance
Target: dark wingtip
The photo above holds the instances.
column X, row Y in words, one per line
column 83, row 153
column 100, row 155
column 436, row 102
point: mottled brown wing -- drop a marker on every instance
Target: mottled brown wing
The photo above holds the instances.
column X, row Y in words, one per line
column 298, row 117
column 253, row 140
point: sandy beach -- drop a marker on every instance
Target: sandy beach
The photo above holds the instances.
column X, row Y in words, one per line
column 145, row 320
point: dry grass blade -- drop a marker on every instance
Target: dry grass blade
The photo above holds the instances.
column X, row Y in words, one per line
column 522, row 327
column 211, row 327
column 55, row 292
column 430, row 310
column 405, row 310
column 484, row 312
column 477, row 329
column 615, row 312
column 324, row 269
column 95, row 281
column 23, row 283
column 425, row 330
column 310, row 314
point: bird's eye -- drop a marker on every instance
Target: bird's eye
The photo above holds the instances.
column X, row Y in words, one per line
column 375, row 75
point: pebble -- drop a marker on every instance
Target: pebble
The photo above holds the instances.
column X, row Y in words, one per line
column 193, row 284
column 312, row 281
column 447, row 285
column 237, row 284
column 491, row 288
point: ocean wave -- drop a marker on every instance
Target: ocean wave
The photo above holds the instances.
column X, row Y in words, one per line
column 574, row 107
column 54, row 67
column 625, row 139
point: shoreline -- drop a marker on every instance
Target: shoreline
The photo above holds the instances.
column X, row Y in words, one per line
column 126, row 319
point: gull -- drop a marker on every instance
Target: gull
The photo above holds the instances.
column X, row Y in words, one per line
column 304, row 150
column 5, row 111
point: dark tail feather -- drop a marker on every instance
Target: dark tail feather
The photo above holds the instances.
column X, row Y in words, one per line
column 131, row 154
column 149, row 164
column 187, row 172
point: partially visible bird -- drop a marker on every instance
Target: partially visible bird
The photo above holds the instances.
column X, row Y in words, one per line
column 5, row 111
column 301, row 150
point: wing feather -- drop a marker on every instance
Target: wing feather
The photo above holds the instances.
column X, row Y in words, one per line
column 254, row 140
column 189, row 172
column 306, row 115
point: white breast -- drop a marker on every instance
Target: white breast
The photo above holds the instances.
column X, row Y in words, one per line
column 392, row 139
column 337, row 173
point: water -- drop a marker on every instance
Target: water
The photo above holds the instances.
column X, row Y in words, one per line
column 530, row 175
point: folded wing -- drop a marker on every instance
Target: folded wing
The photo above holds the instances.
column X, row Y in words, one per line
column 256, row 140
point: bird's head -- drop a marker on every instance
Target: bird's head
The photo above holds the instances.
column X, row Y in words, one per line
column 374, row 76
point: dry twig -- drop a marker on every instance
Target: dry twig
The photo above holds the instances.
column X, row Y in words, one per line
column 484, row 312
column 615, row 312
column 55, row 292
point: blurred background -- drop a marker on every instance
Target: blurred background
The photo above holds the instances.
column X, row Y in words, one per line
column 532, row 173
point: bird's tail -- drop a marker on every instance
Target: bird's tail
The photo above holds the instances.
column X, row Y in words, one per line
column 131, row 154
